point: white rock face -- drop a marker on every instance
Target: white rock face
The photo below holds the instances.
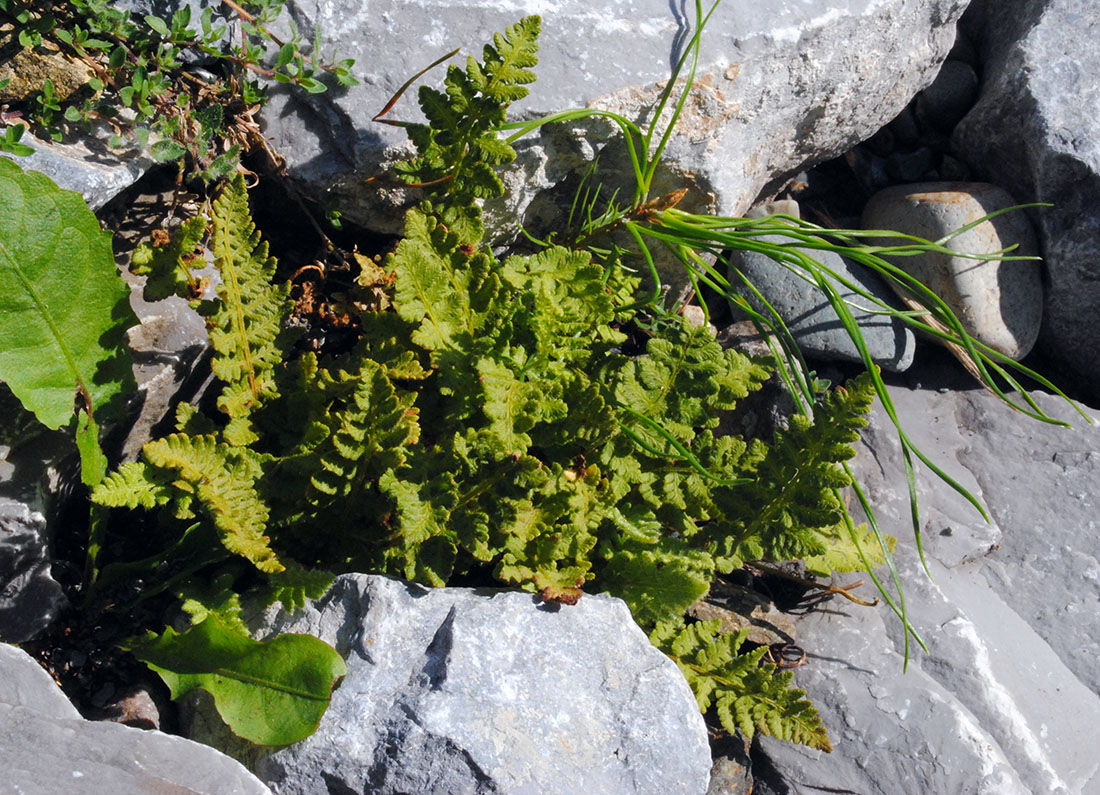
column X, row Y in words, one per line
column 780, row 84
column 1008, row 697
column 453, row 690
column 998, row 303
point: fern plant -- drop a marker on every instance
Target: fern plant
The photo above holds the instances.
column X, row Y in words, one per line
column 491, row 423
column 520, row 419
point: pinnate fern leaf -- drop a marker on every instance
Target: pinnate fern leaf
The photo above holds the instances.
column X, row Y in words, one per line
column 221, row 478
column 507, row 62
column 793, row 510
column 748, row 695
column 250, row 313
column 685, row 376
column 135, row 485
column 439, row 287
column 169, row 267
column 460, row 143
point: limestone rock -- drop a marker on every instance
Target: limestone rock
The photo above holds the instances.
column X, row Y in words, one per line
column 1008, row 698
column 998, row 303
column 46, row 748
column 27, row 69
column 951, row 95
column 30, row 459
column 779, row 85
column 1036, row 130
column 453, row 690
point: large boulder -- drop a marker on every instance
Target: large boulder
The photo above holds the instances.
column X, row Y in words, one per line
column 454, row 690
column 779, row 85
column 1007, row 698
column 1036, row 131
column 47, row 748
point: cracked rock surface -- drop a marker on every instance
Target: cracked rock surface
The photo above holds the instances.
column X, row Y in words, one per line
column 1007, row 698
column 479, row 691
column 47, row 747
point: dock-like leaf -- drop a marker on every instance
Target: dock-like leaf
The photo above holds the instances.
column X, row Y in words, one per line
column 63, row 306
column 271, row 692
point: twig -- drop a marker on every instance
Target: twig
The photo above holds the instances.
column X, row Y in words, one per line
column 837, row 590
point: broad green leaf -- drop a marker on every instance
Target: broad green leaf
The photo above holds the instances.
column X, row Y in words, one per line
column 63, row 306
column 269, row 692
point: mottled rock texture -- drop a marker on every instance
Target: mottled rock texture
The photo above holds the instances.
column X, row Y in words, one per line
column 780, row 84
column 1007, row 698
column 460, row 691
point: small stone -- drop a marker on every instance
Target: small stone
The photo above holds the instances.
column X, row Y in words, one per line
column 811, row 319
column 953, row 170
column 136, row 707
column 694, row 314
column 731, row 773
column 910, row 166
column 776, row 207
column 998, row 303
column 905, row 129
column 881, row 143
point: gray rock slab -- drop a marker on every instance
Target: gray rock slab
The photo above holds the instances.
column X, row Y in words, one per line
column 1036, row 130
column 461, row 691
column 780, row 84
column 168, row 344
column 1006, row 699
column 999, row 303
column 46, row 748
column 811, row 318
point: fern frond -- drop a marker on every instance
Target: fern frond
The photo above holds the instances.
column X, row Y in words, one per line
column 685, row 376
column 368, row 435
column 748, row 695
column 221, row 478
column 658, row 580
column 792, row 510
column 293, row 586
column 215, row 596
column 250, row 313
column 445, row 292
column 422, row 549
column 842, row 552
column 507, row 62
column 134, row 485
column 169, row 267
column 460, row 143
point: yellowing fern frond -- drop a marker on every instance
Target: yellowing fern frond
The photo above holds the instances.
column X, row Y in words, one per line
column 250, row 313
column 221, row 478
